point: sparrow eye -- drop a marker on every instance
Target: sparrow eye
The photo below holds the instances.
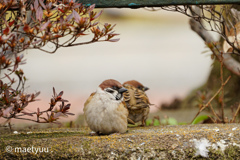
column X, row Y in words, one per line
column 110, row 91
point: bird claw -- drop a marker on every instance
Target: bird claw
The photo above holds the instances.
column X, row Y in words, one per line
column 93, row 133
column 131, row 121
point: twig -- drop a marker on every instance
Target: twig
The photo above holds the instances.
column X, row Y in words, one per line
column 222, row 89
column 214, row 113
column 10, row 126
column 236, row 113
column 214, row 121
column 198, row 26
column 209, row 102
column 30, row 120
column 9, row 5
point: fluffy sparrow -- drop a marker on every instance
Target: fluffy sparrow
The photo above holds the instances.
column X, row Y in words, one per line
column 136, row 102
column 104, row 110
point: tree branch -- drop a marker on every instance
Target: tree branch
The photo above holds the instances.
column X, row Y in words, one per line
column 229, row 62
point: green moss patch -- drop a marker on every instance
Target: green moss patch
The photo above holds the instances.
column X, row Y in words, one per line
column 164, row 142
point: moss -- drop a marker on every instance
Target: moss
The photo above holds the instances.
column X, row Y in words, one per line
column 189, row 153
column 216, row 154
column 143, row 142
column 232, row 152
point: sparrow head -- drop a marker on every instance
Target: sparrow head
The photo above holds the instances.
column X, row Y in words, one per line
column 136, row 84
column 113, row 88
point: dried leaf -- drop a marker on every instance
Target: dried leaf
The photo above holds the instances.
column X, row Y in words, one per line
column 7, row 94
column 76, row 16
column 58, row 114
column 37, row 94
column 65, row 108
column 61, row 10
column 81, row 34
column 7, row 111
column 60, row 94
column 2, row 5
column 39, row 14
column 36, row 4
column 114, row 40
column 49, row 5
column 97, row 15
column 57, row 36
column 26, row 28
column 54, row 92
column 77, row 6
column 42, row 4
column 90, row 8
column 69, row 17
column 31, row 6
column 44, row 26
column 94, row 24
column 11, row 23
column 72, row 114
column 6, row 31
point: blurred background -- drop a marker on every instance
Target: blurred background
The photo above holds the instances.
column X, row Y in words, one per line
column 157, row 48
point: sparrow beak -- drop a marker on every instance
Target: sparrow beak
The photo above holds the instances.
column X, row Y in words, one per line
column 121, row 90
column 145, row 88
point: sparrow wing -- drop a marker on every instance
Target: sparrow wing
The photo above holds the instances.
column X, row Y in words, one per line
column 135, row 98
column 88, row 100
column 129, row 98
column 141, row 98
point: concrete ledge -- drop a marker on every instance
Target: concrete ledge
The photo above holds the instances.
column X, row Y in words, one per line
column 216, row 141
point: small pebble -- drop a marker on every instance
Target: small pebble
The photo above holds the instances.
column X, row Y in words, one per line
column 234, row 128
column 129, row 140
column 142, row 144
column 15, row 132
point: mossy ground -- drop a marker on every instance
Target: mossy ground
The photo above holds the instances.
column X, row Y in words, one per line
column 161, row 142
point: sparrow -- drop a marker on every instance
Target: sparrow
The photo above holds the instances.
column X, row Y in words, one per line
column 136, row 102
column 104, row 111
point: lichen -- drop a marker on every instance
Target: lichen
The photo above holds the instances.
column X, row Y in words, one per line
column 162, row 142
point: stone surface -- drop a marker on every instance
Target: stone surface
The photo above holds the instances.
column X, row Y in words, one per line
column 215, row 141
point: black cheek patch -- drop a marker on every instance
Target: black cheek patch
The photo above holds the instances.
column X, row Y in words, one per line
column 118, row 96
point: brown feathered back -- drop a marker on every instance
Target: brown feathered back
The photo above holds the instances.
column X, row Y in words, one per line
column 135, row 98
column 136, row 102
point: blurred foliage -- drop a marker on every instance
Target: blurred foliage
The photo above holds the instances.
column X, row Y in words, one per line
column 166, row 121
column 169, row 121
column 199, row 119
column 31, row 25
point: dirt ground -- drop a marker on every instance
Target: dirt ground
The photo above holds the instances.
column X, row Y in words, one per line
column 216, row 141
